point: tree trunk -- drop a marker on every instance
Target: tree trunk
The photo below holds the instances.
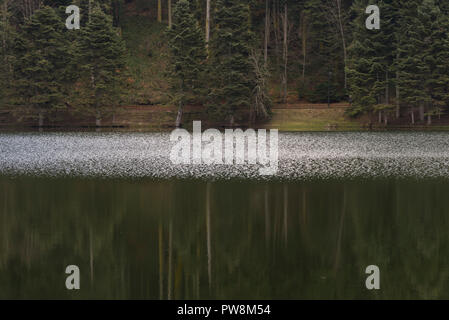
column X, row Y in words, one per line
column 98, row 119
column 387, row 88
column 343, row 39
column 5, row 22
column 413, row 115
column 179, row 116
column 398, row 102
column 169, row 14
column 421, row 112
column 275, row 17
column 380, row 116
column 116, row 8
column 231, row 121
column 159, row 11
column 41, row 119
column 267, row 30
column 304, row 45
column 285, row 80
column 429, row 119
column 207, row 22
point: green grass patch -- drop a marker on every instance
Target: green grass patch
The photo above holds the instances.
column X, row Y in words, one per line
column 312, row 120
column 147, row 60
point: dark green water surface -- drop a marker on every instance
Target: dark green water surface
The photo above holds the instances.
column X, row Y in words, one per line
column 223, row 240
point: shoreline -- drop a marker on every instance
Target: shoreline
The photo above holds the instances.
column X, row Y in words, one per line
column 292, row 117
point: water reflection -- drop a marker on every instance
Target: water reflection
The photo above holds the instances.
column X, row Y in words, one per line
column 223, row 240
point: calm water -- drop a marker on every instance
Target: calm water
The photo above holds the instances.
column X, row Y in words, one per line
column 184, row 239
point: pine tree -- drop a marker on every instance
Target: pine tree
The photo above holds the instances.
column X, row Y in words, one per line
column 42, row 59
column 322, row 56
column 101, row 58
column 361, row 74
column 231, row 70
column 188, row 55
column 371, row 61
column 419, row 20
column 6, row 42
column 438, row 84
column 440, row 50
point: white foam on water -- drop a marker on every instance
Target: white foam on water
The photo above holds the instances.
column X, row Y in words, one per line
column 302, row 156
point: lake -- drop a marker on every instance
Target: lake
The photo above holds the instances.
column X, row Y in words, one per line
column 139, row 227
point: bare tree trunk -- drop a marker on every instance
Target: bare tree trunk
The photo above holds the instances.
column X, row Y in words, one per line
column 304, row 45
column 398, row 101
column 27, row 7
column 275, row 17
column 169, row 14
column 343, row 38
column 429, row 119
column 159, row 11
column 5, row 23
column 380, row 116
column 41, row 119
column 335, row 18
column 98, row 119
column 285, row 80
column 267, row 30
column 387, row 88
column 421, row 112
column 207, row 22
column 179, row 116
column 413, row 115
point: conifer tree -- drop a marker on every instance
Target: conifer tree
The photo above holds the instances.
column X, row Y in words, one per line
column 101, row 58
column 437, row 85
column 361, row 74
column 230, row 47
column 419, row 20
column 6, row 57
column 188, row 55
column 41, row 65
column 440, row 50
column 371, row 60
